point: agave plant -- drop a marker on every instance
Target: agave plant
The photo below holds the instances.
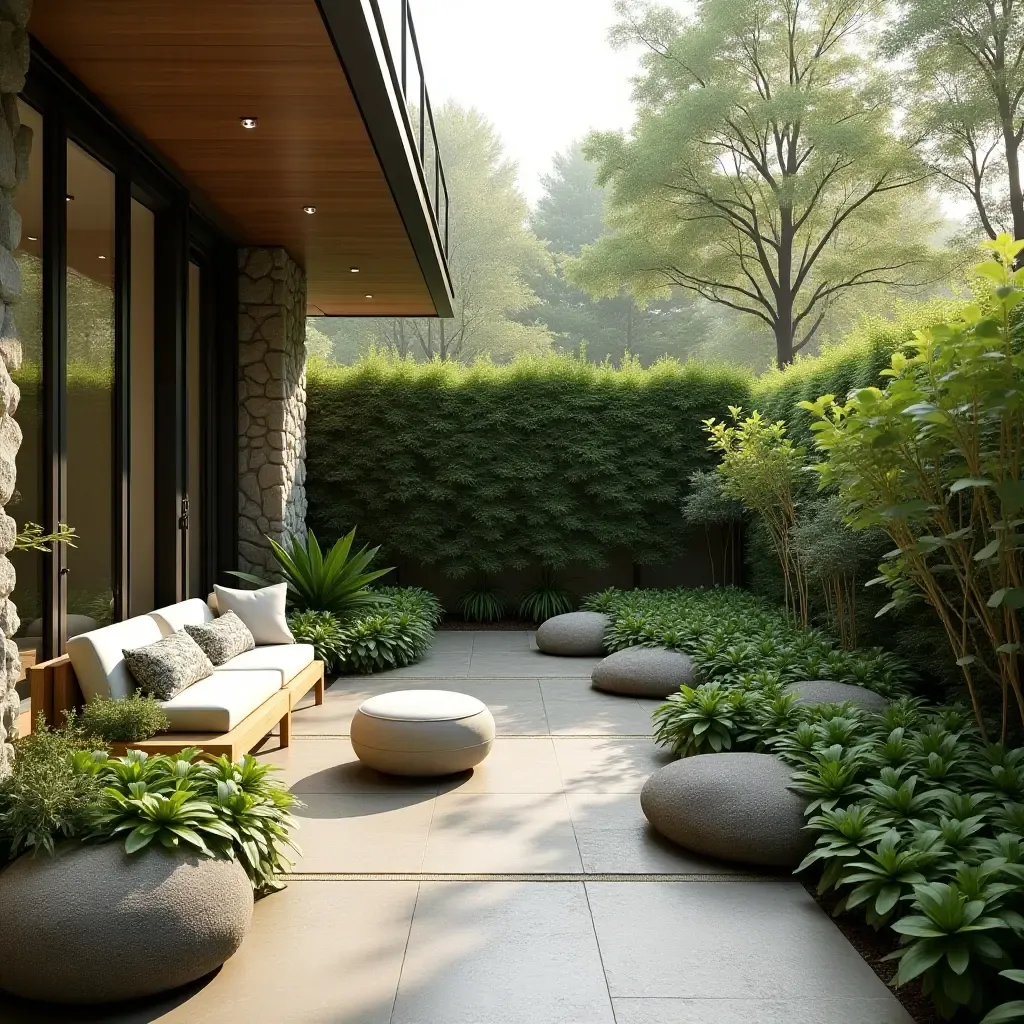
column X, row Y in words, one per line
column 337, row 583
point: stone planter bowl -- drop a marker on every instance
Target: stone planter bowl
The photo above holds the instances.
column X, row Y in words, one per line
column 93, row 925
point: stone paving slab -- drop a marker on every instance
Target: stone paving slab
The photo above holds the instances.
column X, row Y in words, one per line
column 701, row 944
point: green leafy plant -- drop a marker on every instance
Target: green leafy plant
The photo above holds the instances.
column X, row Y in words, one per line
column 31, row 537
column 1007, row 1013
column 761, row 467
column 391, row 639
column 483, row 603
column 706, row 718
column 222, row 809
column 131, row 719
column 948, row 938
column 933, row 460
column 48, row 794
column 324, row 632
column 338, row 583
column 546, row 600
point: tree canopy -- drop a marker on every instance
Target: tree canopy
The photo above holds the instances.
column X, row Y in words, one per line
column 492, row 255
column 764, row 172
column 965, row 98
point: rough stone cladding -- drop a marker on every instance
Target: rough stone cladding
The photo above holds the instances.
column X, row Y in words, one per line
column 271, row 404
column 15, row 146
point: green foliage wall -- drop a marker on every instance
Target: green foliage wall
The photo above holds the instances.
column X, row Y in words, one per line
column 856, row 363
column 548, row 461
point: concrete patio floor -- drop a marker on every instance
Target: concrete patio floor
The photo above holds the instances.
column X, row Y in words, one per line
column 529, row 891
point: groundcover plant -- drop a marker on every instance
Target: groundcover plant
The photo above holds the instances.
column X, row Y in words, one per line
column 917, row 820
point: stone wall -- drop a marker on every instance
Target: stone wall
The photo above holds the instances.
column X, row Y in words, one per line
column 15, row 145
column 272, row 404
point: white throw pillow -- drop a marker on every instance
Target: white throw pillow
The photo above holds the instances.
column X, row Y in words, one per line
column 263, row 611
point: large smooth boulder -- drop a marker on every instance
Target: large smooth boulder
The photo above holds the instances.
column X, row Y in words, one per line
column 93, row 924
column 824, row 691
column 573, row 635
column 736, row 807
column 643, row 672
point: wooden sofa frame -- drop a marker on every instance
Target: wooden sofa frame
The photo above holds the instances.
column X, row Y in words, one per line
column 54, row 691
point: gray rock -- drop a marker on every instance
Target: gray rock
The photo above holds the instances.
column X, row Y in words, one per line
column 92, row 924
column 824, row 691
column 643, row 672
column 736, row 807
column 574, row 635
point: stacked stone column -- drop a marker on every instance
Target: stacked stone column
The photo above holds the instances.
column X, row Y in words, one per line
column 271, row 404
column 15, row 145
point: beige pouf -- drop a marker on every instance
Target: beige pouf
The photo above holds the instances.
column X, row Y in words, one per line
column 422, row 732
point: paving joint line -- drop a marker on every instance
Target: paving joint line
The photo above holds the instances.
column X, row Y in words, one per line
column 576, row 876
column 505, row 736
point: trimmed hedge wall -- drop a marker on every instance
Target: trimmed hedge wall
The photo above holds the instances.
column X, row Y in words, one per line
column 548, row 461
column 856, row 363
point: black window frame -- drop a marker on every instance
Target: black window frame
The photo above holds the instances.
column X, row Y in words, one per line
column 185, row 228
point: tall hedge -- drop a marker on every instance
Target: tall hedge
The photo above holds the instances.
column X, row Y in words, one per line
column 547, row 461
column 855, row 363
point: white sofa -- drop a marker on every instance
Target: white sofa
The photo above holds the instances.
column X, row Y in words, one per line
column 221, row 713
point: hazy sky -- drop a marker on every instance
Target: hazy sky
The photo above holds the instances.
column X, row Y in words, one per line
column 541, row 70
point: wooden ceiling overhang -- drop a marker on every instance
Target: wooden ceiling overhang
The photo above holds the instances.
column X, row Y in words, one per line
column 331, row 132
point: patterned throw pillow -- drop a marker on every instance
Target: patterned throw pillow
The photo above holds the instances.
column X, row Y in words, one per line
column 222, row 639
column 169, row 666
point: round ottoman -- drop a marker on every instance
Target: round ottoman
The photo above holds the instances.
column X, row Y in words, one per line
column 422, row 732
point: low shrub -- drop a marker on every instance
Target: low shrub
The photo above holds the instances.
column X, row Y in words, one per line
column 324, row 632
column 130, row 720
column 397, row 630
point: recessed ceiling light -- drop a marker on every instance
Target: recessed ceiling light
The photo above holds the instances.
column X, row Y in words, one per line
column 249, row 122
column 369, row 296
column 309, row 209
column 353, row 270
column 101, row 257
column 70, row 198
column 33, row 238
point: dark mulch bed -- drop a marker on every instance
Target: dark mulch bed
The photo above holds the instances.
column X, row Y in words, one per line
column 873, row 946
column 505, row 625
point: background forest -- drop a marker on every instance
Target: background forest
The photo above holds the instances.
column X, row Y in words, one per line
column 790, row 167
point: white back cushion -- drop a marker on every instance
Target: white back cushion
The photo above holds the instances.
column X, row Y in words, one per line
column 176, row 617
column 263, row 611
column 97, row 659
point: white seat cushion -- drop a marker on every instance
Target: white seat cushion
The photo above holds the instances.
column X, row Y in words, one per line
column 288, row 660
column 98, row 660
column 221, row 701
column 175, row 617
